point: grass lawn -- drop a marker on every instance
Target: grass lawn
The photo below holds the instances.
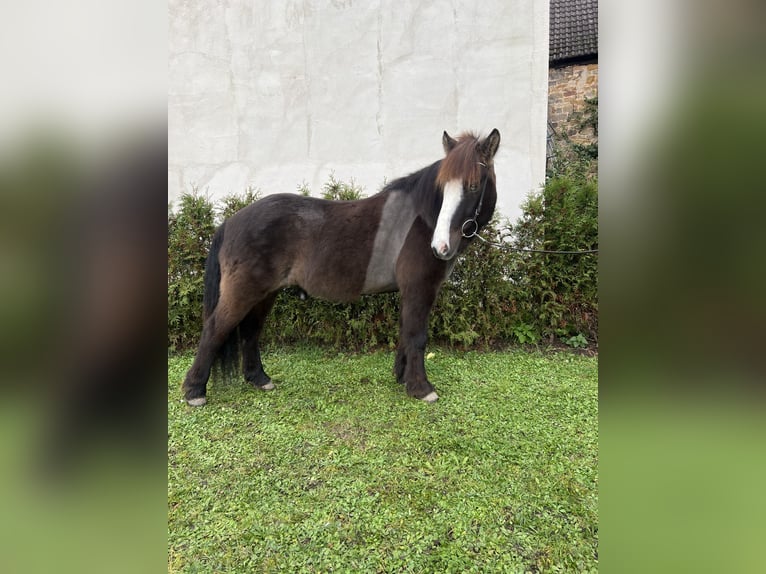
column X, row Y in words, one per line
column 338, row 471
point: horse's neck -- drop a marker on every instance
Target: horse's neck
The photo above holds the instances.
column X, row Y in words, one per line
column 426, row 200
column 419, row 192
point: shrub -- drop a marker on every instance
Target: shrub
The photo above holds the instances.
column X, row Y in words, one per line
column 231, row 204
column 557, row 293
column 338, row 190
column 190, row 229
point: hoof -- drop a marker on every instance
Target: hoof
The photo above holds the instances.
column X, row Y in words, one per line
column 431, row 397
column 196, row 402
column 267, row 387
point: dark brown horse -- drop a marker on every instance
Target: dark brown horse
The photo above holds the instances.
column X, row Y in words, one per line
column 404, row 238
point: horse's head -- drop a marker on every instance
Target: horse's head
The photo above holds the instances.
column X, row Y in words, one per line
column 467, row 180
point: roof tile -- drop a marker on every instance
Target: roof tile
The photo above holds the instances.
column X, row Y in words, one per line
column 573, row 29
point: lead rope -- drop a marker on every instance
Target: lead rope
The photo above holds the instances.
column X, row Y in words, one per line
column 475, row 232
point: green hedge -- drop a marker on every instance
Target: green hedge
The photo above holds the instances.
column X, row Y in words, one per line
column 494, row 295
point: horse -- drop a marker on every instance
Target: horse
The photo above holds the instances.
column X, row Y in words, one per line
column 404, row 238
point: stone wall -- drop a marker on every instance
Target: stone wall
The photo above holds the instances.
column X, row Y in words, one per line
column 568, row 87
column 270, row 95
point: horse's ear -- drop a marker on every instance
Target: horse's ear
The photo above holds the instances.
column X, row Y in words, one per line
column 490, row 144
column 448, row 142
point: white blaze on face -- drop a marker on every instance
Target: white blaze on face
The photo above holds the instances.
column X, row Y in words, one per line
column 453, row 194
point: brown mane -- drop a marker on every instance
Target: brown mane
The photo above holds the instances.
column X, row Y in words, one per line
column 462, row 162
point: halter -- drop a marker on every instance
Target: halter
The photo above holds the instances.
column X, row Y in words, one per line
column 473, row 221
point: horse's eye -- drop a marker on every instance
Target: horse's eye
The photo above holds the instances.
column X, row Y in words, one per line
column 473, row 187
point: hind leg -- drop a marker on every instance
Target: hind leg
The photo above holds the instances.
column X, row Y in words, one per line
column 250, row 331
column 217, row 327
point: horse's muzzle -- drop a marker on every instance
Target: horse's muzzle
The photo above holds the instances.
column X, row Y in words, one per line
column 442, row 251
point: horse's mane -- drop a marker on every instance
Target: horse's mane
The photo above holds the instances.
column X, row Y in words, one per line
column 461, row 162
column 425, row 185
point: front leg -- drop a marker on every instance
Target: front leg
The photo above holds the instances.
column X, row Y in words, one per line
column 410, row 363
column 401, row 361
column 419, row 276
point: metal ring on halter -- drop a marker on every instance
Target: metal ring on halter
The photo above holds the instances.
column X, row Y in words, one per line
column 473, row 220
column 475, row 228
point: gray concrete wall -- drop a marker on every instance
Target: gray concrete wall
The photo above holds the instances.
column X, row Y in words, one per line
column 269, row 94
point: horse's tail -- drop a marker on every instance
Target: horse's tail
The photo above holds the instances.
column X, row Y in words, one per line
column 212, row 275
column 226, row 362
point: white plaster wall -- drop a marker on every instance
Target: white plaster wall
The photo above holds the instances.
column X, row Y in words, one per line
column 269, row 95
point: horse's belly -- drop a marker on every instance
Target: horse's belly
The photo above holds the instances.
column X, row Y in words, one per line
column 381, row 282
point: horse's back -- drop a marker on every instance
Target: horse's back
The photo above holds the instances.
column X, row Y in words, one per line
column 274, row 209
column 319, row 245
column 263, row 228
